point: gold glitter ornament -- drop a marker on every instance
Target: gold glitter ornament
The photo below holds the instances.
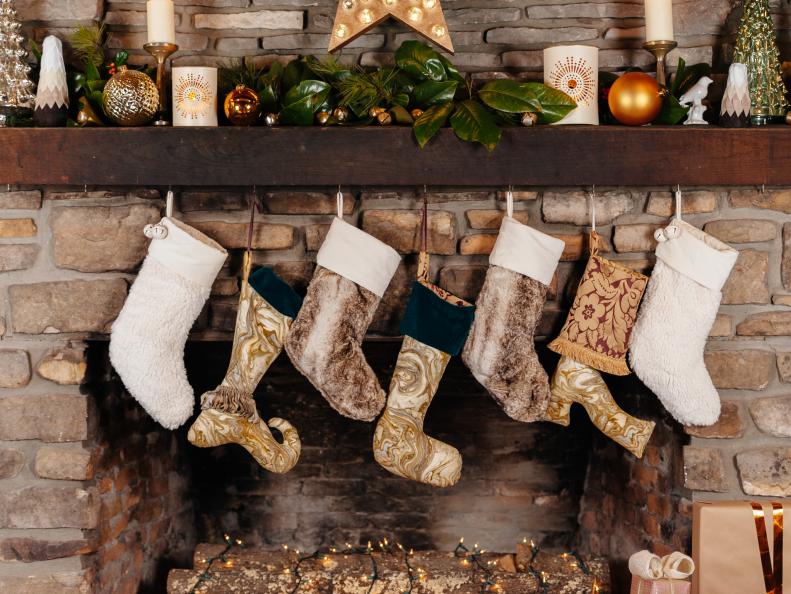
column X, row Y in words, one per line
column 529, row 119
column 384, row 118
column 323, row 117
column 242, row 106
column 271, row 119
column 416, row 113
column 130, row 98
column 340, row 114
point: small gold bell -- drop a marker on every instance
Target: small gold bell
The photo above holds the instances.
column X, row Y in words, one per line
column 416, row 113
column 529, row 119
column 271, row 119
column 384, row 118
column 323, row 117
column 375, row 111
column 340, row 114
column 788, row 118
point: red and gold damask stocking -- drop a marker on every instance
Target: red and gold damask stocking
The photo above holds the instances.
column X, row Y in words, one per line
column 595, row 338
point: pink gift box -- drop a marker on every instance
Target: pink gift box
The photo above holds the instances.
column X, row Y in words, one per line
column 663, row 586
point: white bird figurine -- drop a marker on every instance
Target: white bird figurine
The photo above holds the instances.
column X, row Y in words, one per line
column 694, row 100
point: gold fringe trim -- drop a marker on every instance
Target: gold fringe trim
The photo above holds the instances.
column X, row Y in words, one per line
column 231, row 401
column 588, row 357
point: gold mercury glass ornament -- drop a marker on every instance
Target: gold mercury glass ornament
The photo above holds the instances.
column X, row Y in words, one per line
column 242, row 106
column 130, row 98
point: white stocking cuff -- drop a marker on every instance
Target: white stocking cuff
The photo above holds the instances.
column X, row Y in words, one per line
column 358, row 256
column 527, row 251
column 696, row 254
column 188, row 252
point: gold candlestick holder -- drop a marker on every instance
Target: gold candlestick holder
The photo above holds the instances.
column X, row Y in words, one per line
column 161, row 51
column 660, row 49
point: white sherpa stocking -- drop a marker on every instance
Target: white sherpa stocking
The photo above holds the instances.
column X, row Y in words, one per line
column 678, row 310
column 147, row 340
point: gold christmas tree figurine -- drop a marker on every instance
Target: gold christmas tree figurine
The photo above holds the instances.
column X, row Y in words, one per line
column 16, row 89
column 756, row 46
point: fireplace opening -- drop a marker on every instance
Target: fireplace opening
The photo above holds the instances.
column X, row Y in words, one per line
column 565, row 488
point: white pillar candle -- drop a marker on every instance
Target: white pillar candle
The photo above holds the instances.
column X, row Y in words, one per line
column 161, row 21
column 659, row 20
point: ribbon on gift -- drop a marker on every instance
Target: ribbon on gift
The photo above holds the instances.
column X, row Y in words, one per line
column 649, row 567
column 773, row 576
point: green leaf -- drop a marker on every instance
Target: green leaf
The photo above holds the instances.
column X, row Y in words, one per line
column 677, row 77
column 293, row 74
column 427, row 125
column 92, row 72
column 452, row 71
column 431, row 92
column 401, row 99
column 302, row 101
column 401, row 115
column 509, row 96
column 121, row 58
column 555, row 105
column 269, row 99
column 672, row 111
column 420, row 61
column 35, row 50
column 474, row 123
column 690, row 77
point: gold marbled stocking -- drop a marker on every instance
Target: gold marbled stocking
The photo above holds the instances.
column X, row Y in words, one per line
column 400, row 445
column 229, row 412
column 576, row 382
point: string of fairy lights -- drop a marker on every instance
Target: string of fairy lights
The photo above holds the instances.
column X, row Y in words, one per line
column 468, row 558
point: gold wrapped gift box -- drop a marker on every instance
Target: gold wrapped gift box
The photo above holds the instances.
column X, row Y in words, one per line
column 734, row 543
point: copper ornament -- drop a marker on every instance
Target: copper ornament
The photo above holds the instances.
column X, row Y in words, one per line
column 242, row 106
column 130, row 98
column 635, row 99
column 416, row 113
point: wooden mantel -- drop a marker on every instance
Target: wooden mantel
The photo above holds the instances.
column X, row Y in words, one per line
column 373, row 156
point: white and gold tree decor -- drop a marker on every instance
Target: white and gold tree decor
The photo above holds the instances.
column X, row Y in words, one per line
column 355, row 17
column 16, row 89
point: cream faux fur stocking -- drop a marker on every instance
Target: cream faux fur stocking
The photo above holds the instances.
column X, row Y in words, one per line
column 353, row 271
column 500, row 350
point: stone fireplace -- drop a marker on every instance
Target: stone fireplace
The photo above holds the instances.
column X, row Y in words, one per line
column 96, row 497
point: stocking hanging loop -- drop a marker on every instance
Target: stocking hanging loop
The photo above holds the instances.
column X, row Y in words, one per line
column 593, row 237
column 423, row 258
column 339, row 202
column 509, row 202
column 169, row 204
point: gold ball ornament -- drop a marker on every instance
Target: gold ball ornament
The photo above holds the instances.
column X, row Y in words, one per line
column 384, row 118
column 529, row 119
column 788, row 118
column 635, row 99
column 323, row 117
column 271, row 119
column 130, row 98
column 375, row 111
column 416, row 113
column 340, row 114
column 242, row 106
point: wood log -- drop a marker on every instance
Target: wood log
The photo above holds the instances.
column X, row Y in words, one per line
column 254, row 571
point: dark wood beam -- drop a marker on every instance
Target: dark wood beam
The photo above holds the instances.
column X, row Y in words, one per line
column 373, row 156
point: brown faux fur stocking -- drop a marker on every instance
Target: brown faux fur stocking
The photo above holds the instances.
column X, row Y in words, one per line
column 324, row 344
column 500, row 350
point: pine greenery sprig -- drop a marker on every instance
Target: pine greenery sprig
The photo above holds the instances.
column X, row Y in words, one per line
column 87, row 42
column 361, row 90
